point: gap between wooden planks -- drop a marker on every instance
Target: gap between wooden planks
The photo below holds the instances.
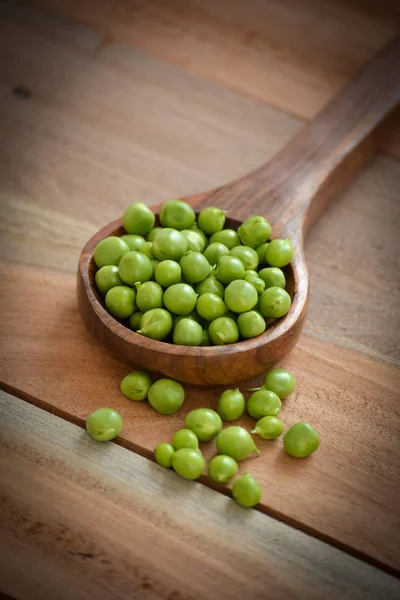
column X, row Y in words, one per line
column 82, row 520
column 346, row 493
column 292, row 55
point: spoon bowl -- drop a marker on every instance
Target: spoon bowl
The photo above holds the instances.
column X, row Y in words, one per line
column 291, row 191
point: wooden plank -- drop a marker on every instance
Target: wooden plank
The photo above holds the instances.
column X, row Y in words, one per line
column 259, row 48
column 347, row 492
column 105, row 534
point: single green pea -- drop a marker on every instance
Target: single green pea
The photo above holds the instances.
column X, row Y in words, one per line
column 164, row 454
column 196, row 242
column 254, row 231
column 120, row 301
column 135, row 242
column 279, row 253
column 263, row 403
column 106, row 278
column 223, row 331
column 214, row 251
column 269, row 428
column 246, row 491
column 135, row 267
column 236, row 441
column 195, row 267
column 210, row 306
column 228, row 237
column 138, row 218
column 155, row 324
column 134, row 320
column 188, row 463
column 251, row 324
column 185, row 438
column 257, row 282
column 149, row 295
column 154, row 265
column 274, row 303
column 110, row 251
column 204, row 422
column 222, row 469
column 240, row 296
column 169, row 244
column 177, row 214
column 188, row 333
column 301, row 440
column 180, row 298
column 231, row 405
column 168, row 272
column 272, row 277
column 136, row 385
column 166, row 396
column 250, row 272
column 280, row 381
column 147, row 250
column 210, row 285
column 228, row 269
column 104, row 424
column 247, row 255
column 261, row 253
column 200, row 233
column 211, row 219
column 151, row 235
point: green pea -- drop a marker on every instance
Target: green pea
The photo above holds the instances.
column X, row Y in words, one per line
column 204, row 422
column 228, row 237
column 206, row 341
column 257, row 282
column 155, row 324
column 250, row 272
column 195, row 267
column 185, row 438
column 188, row 463
column 134, row 320
column 177, row 214
column 164, row 454
column 279, row 253
column 147, row 250
column 188, row 332
column 193, row 316
column 240, row 296
column 200, row 233
column 223, row 331
column 110, row 251
column 149, row 295
column 135, row 267
column 261, row 253
column 263, row 403
column 166, row 396
column 136, row 385
column 254, row 231
column 180, row 298
column 301, row 440
column 269, row 428
column 169, row 244
column 280, row 381
column 247, row 255
column 151, row 235
column 274, row 303
column 228, row 269
column 272, row 277
column 196, row 242
column 231, row 405
column 167, row 273
column 236, row 441
column 251, row 324
column 222, row 469
column 210, row 285
column 210, row 306
column 214, row 251
column 120, row 301
column 104, row 424
column 138, row 218
column 211, row 220
column 135, row 242
column 246, row 491
column 106, row 278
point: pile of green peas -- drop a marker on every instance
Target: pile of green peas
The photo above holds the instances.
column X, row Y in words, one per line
column 234, row 443
column 193, row 283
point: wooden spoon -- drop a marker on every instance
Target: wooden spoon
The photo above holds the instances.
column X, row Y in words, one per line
column 291, row 191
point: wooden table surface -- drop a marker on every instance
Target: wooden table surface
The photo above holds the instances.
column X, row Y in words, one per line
column 103, row 103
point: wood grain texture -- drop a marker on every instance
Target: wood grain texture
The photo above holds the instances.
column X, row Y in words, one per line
column 293, row 56
column 347, row 492
column 106, row 530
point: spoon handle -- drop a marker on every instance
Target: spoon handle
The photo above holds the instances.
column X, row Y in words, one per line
column 294, row 188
